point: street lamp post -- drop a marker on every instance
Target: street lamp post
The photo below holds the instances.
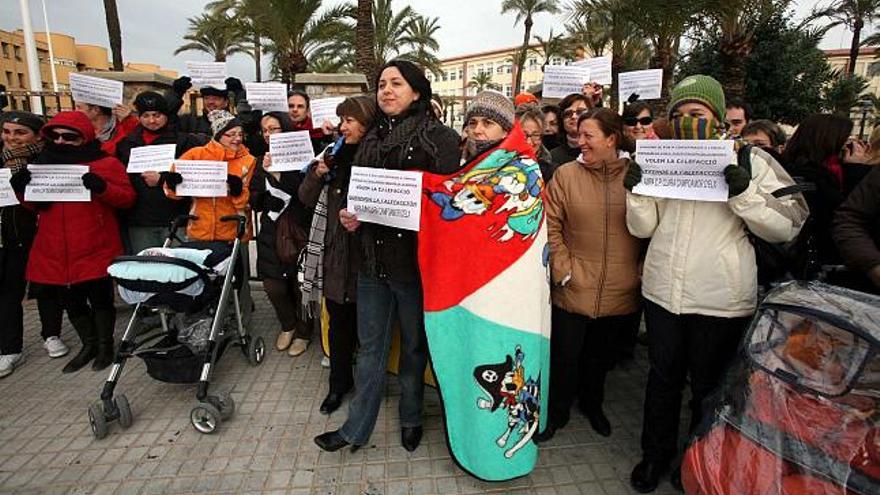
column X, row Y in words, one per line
column 30, row 49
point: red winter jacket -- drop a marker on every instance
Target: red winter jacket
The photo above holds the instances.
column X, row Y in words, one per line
column 123, row 129
column 76, row 241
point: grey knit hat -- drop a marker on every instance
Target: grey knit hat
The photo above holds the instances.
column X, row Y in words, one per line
column 221, row 121
column 493, row 106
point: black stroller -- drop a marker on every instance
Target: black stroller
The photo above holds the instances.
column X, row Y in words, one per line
column 189, row 288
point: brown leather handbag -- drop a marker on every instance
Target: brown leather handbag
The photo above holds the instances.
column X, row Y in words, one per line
column 290, row 238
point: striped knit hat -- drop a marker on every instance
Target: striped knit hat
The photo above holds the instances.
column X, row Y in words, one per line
column 493, row 106
column 699, row 89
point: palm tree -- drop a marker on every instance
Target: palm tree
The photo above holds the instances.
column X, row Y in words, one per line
column 391, row 29
column 115, row 33
column 481, row 81
column 297, row 32
column 855, row 15
column 217, row 35
column 736, row 22
column 525, row 10
column 365, row 36
column 420, row 37
column 553, row 46
column 843, row 93
column 251, row 16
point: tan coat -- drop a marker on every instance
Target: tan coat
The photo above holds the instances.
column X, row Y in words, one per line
column 593, row 257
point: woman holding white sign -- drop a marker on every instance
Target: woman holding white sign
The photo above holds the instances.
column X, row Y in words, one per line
column 406, row 136
column 700, row 275
column 77, row 240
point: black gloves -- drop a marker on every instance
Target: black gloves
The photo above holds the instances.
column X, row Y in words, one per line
column 181, row 85
column 236, row 186
column 737, row 180
column 273, row 203
column 234, row 84
column 94, row 183
column 171, row 179
column 20, row 180
column 633, row 176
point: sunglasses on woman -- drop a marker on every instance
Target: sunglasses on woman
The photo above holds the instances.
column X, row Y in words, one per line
column 67, row 137
column 573, row 113
column 633, row 121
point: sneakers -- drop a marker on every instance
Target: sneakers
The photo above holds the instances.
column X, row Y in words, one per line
column 325, row 362
column 55, row 347
column 298, row 347
column 8, row 363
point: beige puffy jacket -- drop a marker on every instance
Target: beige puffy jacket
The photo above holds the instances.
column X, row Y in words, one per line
column 700, row 260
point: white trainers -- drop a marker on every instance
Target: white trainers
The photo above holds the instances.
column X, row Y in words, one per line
column 325, row 362
column 55, row 347
column 8, row 363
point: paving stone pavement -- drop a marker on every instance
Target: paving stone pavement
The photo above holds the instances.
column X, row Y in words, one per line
column 46, row 444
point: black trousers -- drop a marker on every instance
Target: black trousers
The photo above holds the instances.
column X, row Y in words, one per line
column 343, row 340
column 681, row 346
column 13, row 261
column 286, row 298
column 85, row 297
column 581, row 353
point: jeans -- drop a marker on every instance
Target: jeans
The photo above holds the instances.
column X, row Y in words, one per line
column 380, row 303
column 680, row 346
column 141, row 238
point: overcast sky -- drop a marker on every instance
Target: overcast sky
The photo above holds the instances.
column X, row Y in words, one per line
column 152, row 29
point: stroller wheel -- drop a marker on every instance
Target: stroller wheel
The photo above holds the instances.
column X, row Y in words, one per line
column 124, row 410
column 256, row 350
column 205, row 417
column 97, row 420
column 224, row 404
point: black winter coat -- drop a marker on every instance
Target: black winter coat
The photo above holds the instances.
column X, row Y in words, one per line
column 152, row 208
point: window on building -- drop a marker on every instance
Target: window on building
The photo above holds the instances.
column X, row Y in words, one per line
column 508, row 90
column 444, row 76
column 461, row 73
column 9, row 78
column 21, row 83
column 16, row 50
column 508, row 69
column 452, row 75
column 5, row 49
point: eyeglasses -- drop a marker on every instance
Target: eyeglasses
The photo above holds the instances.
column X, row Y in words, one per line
column 67, row 137
column 633, row 121
column 534, row 136
column 233, row 135
column 573, row 113
column 271, row 130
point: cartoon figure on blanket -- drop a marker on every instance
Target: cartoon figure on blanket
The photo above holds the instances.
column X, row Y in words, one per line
column 515, row 179
column 507, row 387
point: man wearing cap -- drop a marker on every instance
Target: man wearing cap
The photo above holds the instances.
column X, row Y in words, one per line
column 700, row 277
column 147, row 222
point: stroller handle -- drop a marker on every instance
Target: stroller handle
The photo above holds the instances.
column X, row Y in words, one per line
column 242, row 223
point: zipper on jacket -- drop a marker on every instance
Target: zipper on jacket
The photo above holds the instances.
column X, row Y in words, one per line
column 604, row 272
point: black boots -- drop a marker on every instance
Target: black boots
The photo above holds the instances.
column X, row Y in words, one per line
column 105, row 321
column 85, row 328
column 646, row 475
column 410, row 437
column 332, row 441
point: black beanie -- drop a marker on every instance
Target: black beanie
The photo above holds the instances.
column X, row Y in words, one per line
column 150, row 101
column 31, row 121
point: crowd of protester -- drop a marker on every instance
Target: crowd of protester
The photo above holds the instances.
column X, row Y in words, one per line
column 688, row 269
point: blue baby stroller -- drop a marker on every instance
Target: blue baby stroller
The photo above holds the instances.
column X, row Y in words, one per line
column 189, row 288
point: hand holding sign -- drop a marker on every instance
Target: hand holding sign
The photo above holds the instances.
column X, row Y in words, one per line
column 270, row 97
column 7, row 194
column 57, row 183
column 154, row 158
column 290, row 151
column 324, row 109
column 386, row 197
column 684, row 169
column 201, row 178
column 95, row 90
column 563, row 80
column 646, row 83
column 207, row 74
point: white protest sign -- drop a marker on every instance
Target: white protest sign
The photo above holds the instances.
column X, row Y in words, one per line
column 563, row 80
column 648, row 84
column 201, row 178
column 325, row 109
column 684, row 168
column 387, row 197
column 600, row 69
column 155, row 158
column 207, row 74
column 95, row 90
column 7, row 195
column 57, row 183
column 278, row 193
column 290, row 151
column 269, row 97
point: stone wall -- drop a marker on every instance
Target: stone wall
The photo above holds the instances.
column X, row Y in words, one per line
column 328, row 85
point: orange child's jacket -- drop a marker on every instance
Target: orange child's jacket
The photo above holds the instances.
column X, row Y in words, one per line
column 208, row 226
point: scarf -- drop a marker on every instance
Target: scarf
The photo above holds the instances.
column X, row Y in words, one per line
column 64, row 153
column 306, row 125
column 311, row 270
column 16, row 159
column 107, row 132
column 572, row 142
column 836, row 169
column 687, row 127
column 411, row 130
column 475, row 148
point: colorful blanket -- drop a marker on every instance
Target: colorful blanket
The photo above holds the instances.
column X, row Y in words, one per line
column 483, row 260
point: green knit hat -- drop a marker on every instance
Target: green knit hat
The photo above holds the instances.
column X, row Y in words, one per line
column 699, row 89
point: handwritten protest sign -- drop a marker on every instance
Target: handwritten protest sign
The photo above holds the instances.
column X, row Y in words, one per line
column 7, row 195
column 563, row 80
column 57, row 183
column 156, row 158
column 600, row 69
column 645, row 83
column 325, row 109
column 269, row 97
column 684, row 169
column 207, row 74
column 290, row 151
column 95, row 90
column 387, row 197
column 201, row 178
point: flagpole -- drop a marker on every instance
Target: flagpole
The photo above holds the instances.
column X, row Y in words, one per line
column 51, row 53
column 30, row 48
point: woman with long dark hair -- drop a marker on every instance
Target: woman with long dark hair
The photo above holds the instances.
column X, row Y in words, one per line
column 407, row 135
